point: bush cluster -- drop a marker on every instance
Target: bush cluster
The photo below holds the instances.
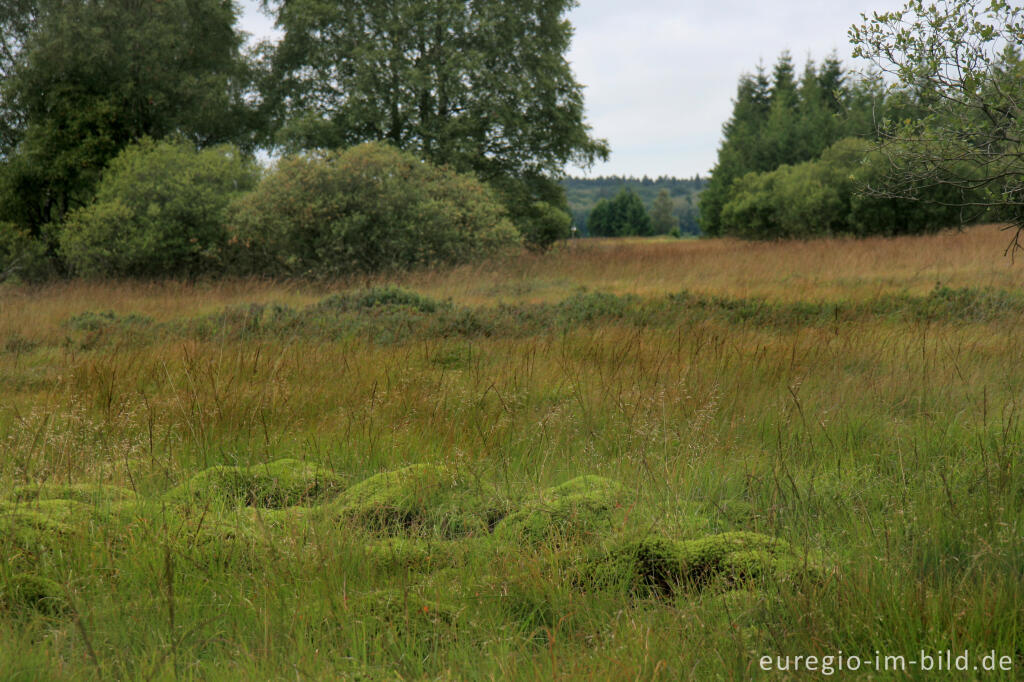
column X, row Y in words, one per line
column 369, row 208
column 160, row 210
column 166, row 209
column 830, row 195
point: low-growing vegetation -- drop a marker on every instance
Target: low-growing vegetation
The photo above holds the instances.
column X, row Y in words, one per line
column 509, row 471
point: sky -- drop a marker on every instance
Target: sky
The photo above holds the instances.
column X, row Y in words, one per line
column 660, row 75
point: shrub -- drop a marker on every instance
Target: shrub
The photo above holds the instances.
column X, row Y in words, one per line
column 366, row 209
column 22, row 257
column 544, row 224
column 160, row 210
column 830, row 196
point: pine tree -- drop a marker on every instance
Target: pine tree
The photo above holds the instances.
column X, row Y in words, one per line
column 740, row 151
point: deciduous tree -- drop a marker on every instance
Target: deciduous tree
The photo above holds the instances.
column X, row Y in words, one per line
column 960, row 61
column 85, row 78
column 662, row 219
column 480, row 85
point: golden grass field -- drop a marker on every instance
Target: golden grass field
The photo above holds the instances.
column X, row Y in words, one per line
column 847, row 411
column 823, row 269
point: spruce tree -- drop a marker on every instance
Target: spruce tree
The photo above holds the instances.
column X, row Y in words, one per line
column 662, row 219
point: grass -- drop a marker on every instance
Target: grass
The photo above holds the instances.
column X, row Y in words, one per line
column 617, row 461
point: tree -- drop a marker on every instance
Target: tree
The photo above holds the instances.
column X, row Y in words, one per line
column 960, row 62
column 600, row 221
column 480, row 85
column 820, row 197
column 543, row 226
column 662, row 219
column 85, row 78
column 16, row 20
column 740, row 150
column 778, row 121
column 623, row 216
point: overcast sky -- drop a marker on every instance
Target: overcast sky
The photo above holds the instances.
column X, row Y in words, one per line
column 660, row 75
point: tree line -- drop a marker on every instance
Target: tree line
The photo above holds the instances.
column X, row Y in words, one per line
column 836, row 152
column 670, row 203
column 474, row 100
column 478, row 88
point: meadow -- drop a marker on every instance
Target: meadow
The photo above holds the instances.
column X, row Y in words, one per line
column 624, row 459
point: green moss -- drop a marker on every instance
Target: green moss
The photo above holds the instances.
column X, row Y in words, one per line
column 659, row 566
column 28, row 530
column 581, row 508
column 597, row 487
column 216, row 542
column 414, row 554
column 277, row 484
column 30, row 591
column 404, row 619
column 42, row 530
column 88, row 493
column 422, row 500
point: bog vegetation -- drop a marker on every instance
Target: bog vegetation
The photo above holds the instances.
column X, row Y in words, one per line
column 589, row 464
column 327, row 419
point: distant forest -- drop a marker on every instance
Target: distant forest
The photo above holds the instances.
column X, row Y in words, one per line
column 584, row 193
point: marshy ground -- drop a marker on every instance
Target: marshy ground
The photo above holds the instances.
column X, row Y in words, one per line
column 621, row 460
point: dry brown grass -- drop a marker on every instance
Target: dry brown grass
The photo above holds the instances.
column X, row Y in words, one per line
column 824, row 269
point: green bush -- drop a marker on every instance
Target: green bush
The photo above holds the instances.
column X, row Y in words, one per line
column 544, row 224
column 160, row 210
column 22, row 257
column 370, row 208
column 830, row 196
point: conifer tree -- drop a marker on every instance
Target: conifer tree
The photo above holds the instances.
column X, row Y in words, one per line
column 662, row 219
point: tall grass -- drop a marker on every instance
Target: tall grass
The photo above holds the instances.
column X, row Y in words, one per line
column 887, row 445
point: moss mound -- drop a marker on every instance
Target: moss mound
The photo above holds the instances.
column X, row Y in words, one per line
column 404, row 621
column 584, row 507
column 87, row 493
column 29, row 591
column 656, row 566
column 31, row 531
column 277, row 484
column 399, row 554
column 422, row 500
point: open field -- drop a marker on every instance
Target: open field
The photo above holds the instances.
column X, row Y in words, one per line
column 817, row 448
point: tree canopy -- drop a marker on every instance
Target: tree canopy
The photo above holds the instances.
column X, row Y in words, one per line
column 82, row 79
column 623, row 216
column 479, row 85
column 961, row 61
column 779, row 119
column 662, row 219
